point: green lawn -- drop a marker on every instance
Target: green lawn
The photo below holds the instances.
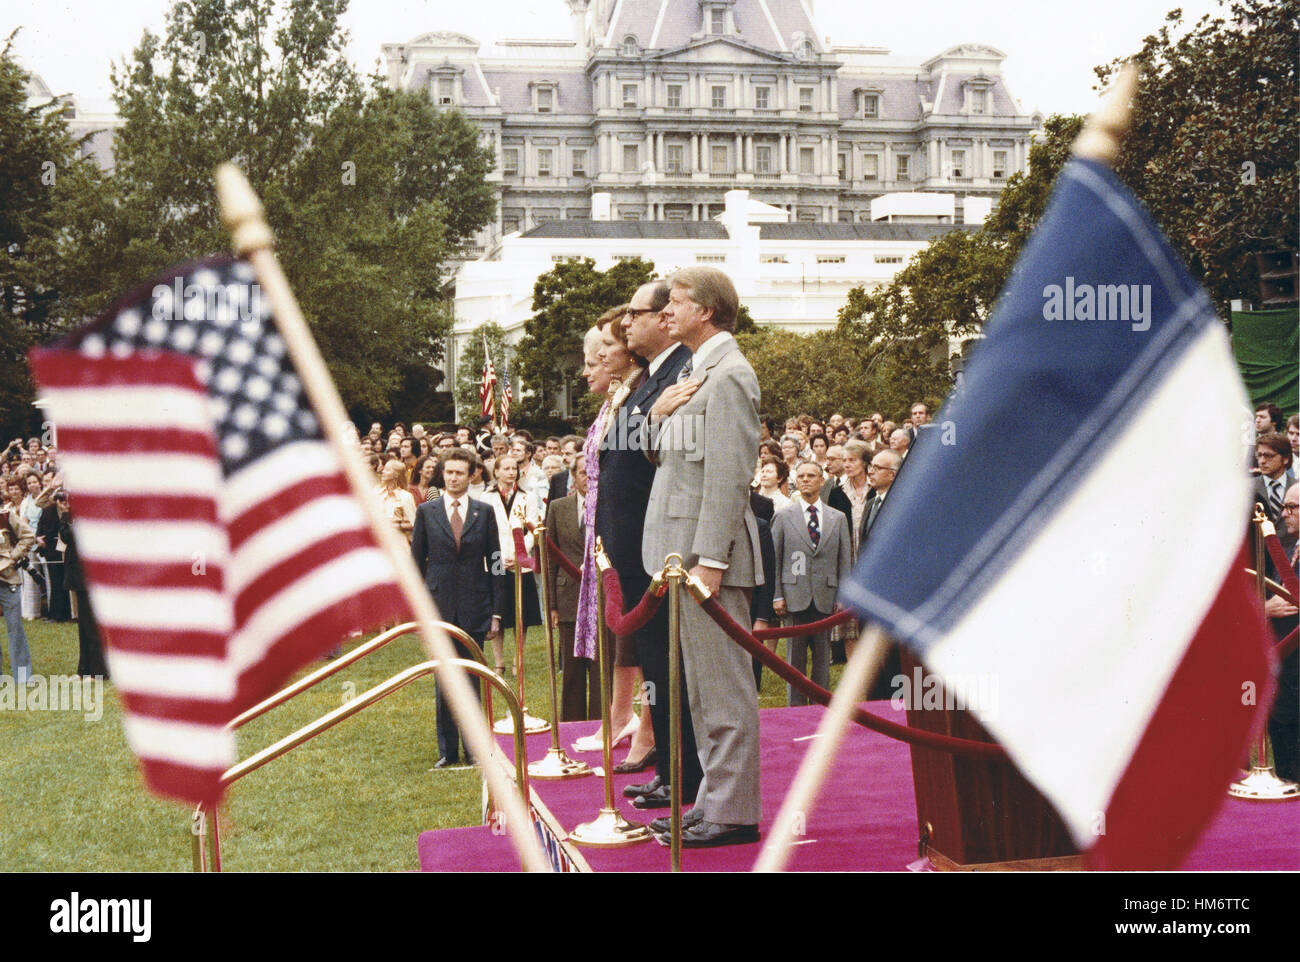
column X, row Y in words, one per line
column 354, row 799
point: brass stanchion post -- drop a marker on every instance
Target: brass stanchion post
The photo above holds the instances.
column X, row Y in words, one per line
column 556, row 764
column 1262, row 783
column 532, row 725
column 608, row 828
column 674, row 573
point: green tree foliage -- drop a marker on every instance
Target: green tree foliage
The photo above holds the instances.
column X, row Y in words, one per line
column 1212, row 150
column 469, row 373
column 42, row 179
column 566, row 302
column 369, row 191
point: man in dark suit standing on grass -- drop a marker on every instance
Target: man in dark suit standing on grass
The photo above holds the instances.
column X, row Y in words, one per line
column 455, row 544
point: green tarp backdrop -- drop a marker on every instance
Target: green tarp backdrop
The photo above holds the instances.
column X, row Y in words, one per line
column 1267, row 347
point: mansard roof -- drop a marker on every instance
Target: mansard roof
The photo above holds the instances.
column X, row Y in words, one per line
column 573, row 88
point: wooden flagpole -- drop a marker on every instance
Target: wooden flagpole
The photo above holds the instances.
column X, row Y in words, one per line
column 1099, row 141
column 252, row 238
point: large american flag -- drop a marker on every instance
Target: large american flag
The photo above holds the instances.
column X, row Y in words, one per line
column 221, row 545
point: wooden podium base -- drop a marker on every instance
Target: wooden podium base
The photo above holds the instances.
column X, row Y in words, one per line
column 973, row 814
column 1062, row 863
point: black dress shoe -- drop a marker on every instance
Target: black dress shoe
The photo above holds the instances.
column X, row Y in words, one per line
column 661, row 797
column 628, row 766
column 664, row 823
column 711, row 835
column 632, row 791
column 446, row 762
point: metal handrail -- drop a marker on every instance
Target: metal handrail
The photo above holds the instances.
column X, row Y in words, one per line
column 338, row 664
column 203, row 825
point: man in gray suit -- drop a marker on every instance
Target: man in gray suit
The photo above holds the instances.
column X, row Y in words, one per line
column 813, row 553
column 705, row 439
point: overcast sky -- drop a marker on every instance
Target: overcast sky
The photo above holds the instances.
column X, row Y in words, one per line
column 1051, row 47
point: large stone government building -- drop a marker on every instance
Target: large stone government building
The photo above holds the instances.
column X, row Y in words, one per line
column 655, row 108
column 736, row 136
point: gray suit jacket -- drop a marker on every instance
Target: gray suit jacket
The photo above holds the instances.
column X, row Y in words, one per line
column 699, row 504
column 809, row 577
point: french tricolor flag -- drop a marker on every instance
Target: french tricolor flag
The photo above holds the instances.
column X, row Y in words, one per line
column 1070, row 534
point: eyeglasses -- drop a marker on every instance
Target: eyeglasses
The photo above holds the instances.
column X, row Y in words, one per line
column 637, row 312
column 1290, row 507
column 878, row 467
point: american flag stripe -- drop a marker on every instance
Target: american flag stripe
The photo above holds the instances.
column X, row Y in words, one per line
column 156, row 474
column 130, row 408
column 196, row 609
column 158, row 542
column 221, row 543
column 145, row 508
column 317, row 521
column 287, row 568
column 144, row 438
column 156, row 641
column 276, row 472
column 180, row 743
column 173, row 676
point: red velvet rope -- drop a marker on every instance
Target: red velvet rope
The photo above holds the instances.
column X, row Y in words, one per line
column 522, row 558
column 903, row 733
column 1286, row 574
column 812, row 628
column 1287, row 646
column 559, row 558
column 634, row 620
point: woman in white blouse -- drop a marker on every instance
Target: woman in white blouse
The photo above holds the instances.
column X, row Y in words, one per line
column 513, row 509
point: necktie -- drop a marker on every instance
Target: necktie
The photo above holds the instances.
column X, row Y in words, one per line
column 685, row 372
column 875, row 509
column 457, row 523
column 814, row 531
column 1275, row 498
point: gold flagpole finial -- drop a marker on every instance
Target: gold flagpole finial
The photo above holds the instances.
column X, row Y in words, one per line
column 242, row 212
column 1105, row 127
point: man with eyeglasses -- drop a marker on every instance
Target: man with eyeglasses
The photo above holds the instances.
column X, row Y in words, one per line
column 1284, row 720
column 1273, row 457
column 626, row 478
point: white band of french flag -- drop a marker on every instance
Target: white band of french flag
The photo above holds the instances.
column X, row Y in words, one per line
column 1095, row 653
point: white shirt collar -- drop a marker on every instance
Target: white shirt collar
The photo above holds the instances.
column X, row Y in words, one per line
column 464, row 500
column 660, row 358
column 709, row 347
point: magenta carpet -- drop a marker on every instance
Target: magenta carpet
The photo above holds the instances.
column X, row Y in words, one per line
column 865, row 820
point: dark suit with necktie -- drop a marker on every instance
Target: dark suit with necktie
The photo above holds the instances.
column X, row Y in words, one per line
column 883, row 687
column 467, row 582
column 626, row 477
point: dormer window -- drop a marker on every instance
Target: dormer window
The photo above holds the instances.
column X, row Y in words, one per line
column 629, row 48
column 868, row 100
column 716, row 17
column 805, row 50
column 445, row 86
column 977, row 96
column 544, row 98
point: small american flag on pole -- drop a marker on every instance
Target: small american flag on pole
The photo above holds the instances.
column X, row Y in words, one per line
column 506, row 398
column 221, row 544
column 487, row 388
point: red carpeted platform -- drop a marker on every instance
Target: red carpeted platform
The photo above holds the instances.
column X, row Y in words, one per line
column 865, row 820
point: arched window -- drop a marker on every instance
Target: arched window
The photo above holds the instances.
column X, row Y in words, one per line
column 630, row 48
